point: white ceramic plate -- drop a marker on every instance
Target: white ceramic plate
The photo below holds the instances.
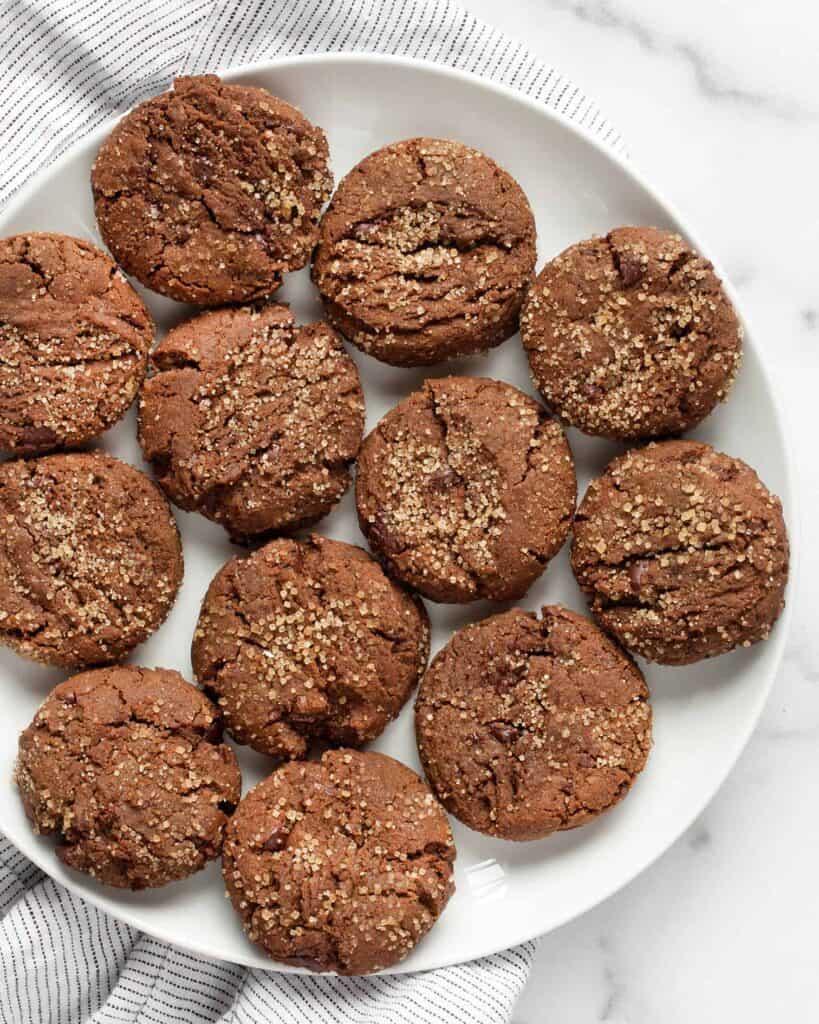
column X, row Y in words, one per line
column 704, row 714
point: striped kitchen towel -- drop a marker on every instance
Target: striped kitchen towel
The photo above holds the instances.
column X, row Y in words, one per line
column 65, row 66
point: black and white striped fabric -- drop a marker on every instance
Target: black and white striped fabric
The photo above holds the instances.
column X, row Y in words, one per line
column 65, row 66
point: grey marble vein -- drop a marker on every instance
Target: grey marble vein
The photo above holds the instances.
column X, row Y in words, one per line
column 709, row 81
column 612, row 987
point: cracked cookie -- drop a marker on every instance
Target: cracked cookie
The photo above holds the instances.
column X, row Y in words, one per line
column 74, row 341
column 425, row 253
column 466, row 489
column 308, row 639
column 126, row 767
column 90, row 558
column 528, row 725
column 681, row 552
column 342, row 865
column 211, row 192
column 631, row 336
column 251, row 420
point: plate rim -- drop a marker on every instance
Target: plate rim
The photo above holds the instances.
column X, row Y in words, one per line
column 790, row 498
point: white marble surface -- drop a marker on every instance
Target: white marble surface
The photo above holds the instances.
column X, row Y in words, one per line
column 719, row 105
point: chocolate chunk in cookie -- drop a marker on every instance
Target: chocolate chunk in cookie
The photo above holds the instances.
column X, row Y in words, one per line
column 466, row 489
column 306, row 640
column 74, row 340
column 682, row 552
column 90, row 558
column 251, row 420
column 425, row 253
column 528, row 725
column 126, row 767
column 342, row 865
column 210, row 192
column 632, row 335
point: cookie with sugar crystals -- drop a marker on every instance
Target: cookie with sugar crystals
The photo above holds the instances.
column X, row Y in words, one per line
column 682, row 552
column 74, row 341
column 527, row 725
column 252, row 420
column 339, row 865
column 425, row 253
column 211, row 192
column 126, row 767
column 90, row 558
column 466, row 490
column 631, row 336
column 308, row 640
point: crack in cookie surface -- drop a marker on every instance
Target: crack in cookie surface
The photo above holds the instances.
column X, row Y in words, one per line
column 682, row 552
column 74, row 340
column 425, row 253
column 209, row 193
column 528, row 725
column 632, row 335
column 308, row 640
column 466, row 489
column 126, row 766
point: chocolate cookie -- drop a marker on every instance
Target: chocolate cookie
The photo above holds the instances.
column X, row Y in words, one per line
column 526, row 725
column 209, row 193
column 90, row 558
column 308, row 639
column 126, row 767
column 466, row 489
column 425, row 253
column 74, row 340
column 682, row 552
column 631, row 336
column 251, row 420
column 342, row 865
